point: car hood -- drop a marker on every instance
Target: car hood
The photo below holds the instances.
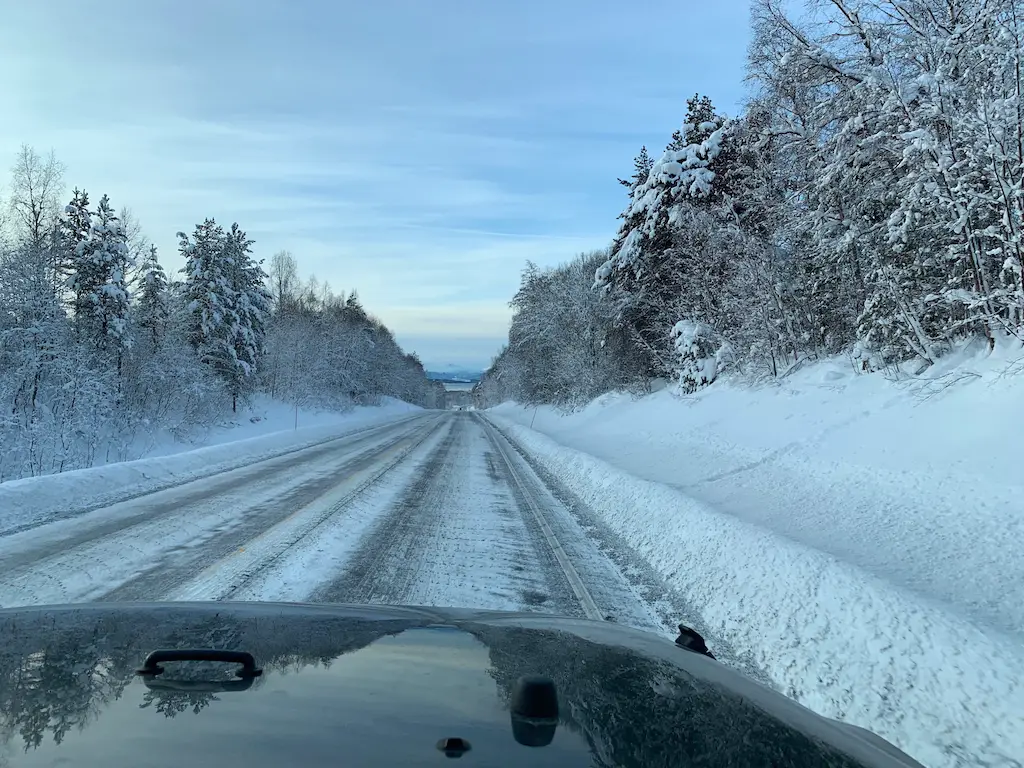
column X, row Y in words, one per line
column 362, row 685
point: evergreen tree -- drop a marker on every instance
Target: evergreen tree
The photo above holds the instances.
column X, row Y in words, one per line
column 642, row 165
column 250, row 304
column 154, row 299
column 209, row 297
column 228, row 303
column 72, row 228
column 354, row 307
column 98, row 280
column 648, row 262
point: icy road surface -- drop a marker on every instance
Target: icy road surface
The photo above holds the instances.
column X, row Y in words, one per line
column 437, row 509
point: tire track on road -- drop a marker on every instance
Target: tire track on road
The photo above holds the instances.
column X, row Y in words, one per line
column 159, row 544
column 623, row 585
column 384, row 567
column 223, row 478
column 528, row 504
column 20, row 549
column 233, row 571
column 583, row 531
column 455, row 537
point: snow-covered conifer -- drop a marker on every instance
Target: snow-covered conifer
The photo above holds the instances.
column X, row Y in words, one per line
column 98, row 279
column 153, row 299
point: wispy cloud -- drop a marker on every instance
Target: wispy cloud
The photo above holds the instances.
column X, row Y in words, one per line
column 418, row 152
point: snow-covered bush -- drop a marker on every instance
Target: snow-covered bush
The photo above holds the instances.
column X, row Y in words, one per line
column 701, row 354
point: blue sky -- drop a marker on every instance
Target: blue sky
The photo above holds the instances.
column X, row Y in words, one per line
column 417, row 151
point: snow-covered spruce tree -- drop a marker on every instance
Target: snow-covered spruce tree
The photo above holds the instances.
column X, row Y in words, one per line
column 699, row 348
column 228, row 303
column 209, row 300
column 637, row 275
column 250, row 309
column 682, row 238
column 152, row 310
column 73, row 227
column 166, row 387
column 98, row 281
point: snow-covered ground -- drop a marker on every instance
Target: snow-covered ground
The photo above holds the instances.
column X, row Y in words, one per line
column 269, row 428
column 858, row 537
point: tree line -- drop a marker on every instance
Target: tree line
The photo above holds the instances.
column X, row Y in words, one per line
column 867, row 201
column 101, row 351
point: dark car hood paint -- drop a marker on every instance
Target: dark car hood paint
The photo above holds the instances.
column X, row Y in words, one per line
column 362, row 685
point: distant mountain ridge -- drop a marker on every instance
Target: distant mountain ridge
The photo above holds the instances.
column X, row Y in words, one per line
column 455, row 376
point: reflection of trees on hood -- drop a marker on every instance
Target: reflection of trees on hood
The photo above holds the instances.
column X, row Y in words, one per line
column 171, row 703
column 38, row 658
column 639, row 711
column 58, row 670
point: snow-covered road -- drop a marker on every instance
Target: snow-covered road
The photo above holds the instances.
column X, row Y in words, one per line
column 436, row 509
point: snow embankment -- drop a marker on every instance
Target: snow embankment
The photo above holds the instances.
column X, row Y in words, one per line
column 858, row 538
column 917, row 482
column 265, row 431
column 837, row 640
